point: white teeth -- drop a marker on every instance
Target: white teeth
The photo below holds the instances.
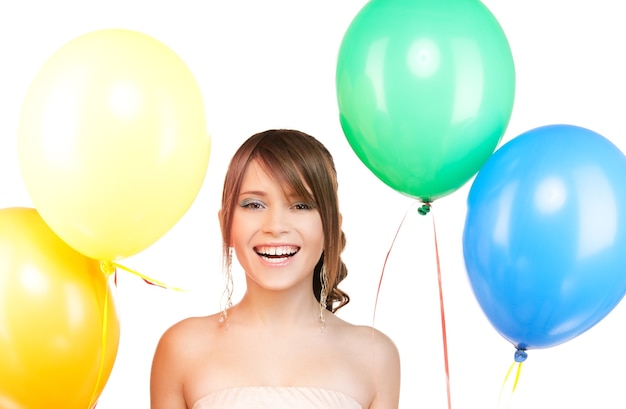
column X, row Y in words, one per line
column 280, row 251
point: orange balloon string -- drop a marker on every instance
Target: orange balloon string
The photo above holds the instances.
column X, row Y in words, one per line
column 425, row 209
column 443, row 318
column 382, row 273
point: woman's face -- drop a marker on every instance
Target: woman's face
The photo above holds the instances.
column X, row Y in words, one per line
column 278, row 239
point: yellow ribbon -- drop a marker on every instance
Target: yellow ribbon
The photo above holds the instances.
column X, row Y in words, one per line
column 108, row 268
column 515, row 382
column 105, row 320
column 111, row 265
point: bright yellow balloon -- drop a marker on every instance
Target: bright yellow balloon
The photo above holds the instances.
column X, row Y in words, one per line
column 59, row 329
column 112, row 142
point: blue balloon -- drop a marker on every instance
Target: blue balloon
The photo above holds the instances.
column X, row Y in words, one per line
column 544, row 240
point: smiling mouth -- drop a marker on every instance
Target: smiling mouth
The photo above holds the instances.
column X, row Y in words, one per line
column 276, row 252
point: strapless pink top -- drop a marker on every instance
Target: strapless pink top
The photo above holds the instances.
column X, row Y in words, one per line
column 268, row 397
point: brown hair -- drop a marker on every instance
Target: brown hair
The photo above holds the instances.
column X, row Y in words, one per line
column 296, row 160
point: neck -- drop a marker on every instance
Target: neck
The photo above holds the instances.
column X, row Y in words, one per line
column 278, row 309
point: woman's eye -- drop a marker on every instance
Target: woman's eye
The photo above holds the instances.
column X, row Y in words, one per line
column 251, row 204
column 302, row 206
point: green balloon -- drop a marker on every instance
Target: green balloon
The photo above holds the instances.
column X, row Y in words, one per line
column 425, row 90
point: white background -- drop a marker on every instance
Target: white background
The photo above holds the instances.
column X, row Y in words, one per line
column 271, row 63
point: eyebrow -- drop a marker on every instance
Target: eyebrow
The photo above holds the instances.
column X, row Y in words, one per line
column 291, row 196
column 253, row 192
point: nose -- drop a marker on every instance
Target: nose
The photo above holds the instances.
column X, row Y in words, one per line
column 276, row 221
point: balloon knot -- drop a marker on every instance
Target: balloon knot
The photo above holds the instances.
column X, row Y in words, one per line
column 107, row 267
column 424, row 209
column 520, row 355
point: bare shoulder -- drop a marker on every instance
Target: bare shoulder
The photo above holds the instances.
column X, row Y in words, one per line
column 186, row 333
column 176, row 352
column 378, row 359
column 184, row 341
column 364, row 336
column 178, row 343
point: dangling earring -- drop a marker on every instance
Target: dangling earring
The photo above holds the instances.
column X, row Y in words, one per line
column 227, row 295
column 323, row 295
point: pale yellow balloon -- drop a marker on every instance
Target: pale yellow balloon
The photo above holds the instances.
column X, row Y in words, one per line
column 112, row 142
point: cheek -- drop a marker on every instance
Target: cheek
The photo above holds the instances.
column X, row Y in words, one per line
column 238, row 230
column 316, row 232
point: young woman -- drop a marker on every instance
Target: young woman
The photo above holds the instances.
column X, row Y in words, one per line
column 281, row 346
